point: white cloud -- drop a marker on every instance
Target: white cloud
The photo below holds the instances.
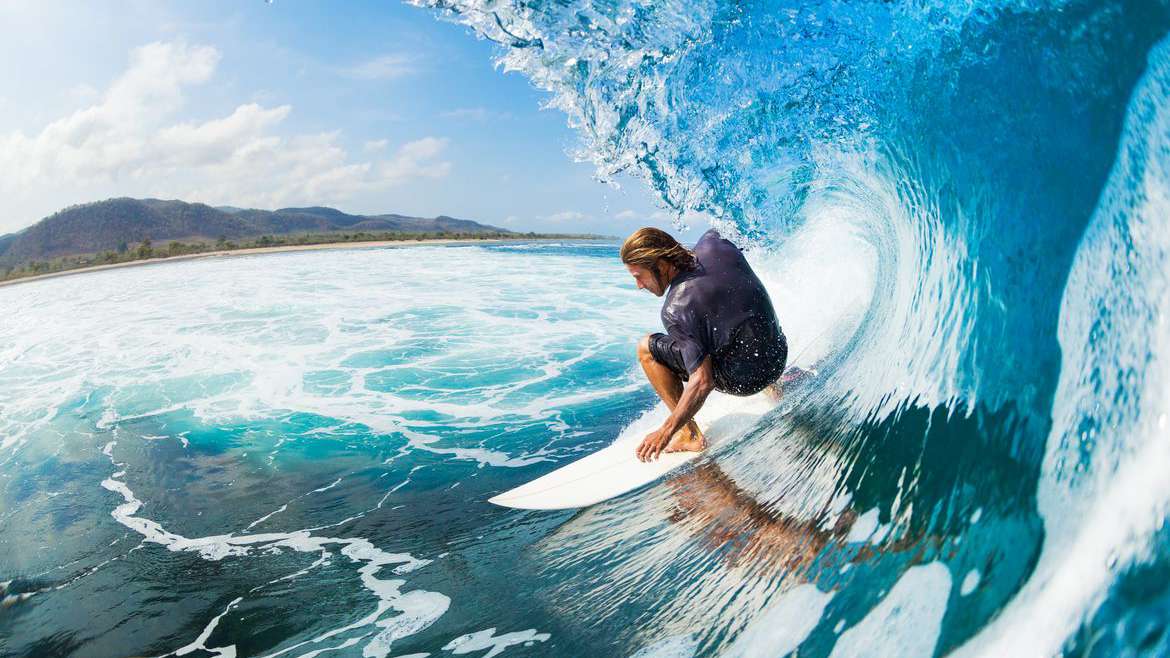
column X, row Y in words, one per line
column 190, row 144
column 565, row 216
column 133, row 142
column 385, row 67
column 83, row 93
column 417, row 160
column 627, row 215
column 474, row 114
column 376, row 144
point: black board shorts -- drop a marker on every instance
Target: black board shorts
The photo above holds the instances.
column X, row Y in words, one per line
column 748, row 364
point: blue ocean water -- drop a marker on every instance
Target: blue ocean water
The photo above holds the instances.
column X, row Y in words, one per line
column 997, row 171
column 959, row 209
column 291, row 453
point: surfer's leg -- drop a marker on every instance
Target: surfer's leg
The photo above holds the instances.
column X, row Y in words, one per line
column 669, row 386
column 777, row 355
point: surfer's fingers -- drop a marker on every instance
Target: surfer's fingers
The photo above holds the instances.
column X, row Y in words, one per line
column 650, row 447
column 643, row 448
column 657, row 448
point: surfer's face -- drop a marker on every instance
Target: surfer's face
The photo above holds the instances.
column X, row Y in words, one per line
column 647, row 279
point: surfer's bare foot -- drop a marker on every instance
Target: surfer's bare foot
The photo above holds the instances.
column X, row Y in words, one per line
column 688, row 439
column 773, row 392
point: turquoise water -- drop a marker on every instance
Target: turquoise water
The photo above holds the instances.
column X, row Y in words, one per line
column 960, row 211
column 292, row 452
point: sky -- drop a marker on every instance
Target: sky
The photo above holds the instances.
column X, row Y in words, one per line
column 370, row 107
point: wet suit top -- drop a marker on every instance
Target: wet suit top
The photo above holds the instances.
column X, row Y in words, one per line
column 721, row 309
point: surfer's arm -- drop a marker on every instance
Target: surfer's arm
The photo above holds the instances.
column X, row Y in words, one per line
column 699, row 385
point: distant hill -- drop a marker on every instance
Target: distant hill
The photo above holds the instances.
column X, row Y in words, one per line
column 114, row 224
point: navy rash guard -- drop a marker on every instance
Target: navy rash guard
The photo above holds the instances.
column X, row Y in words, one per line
column 721, row 309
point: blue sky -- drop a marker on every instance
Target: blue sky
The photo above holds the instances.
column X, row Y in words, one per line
column 365, row 106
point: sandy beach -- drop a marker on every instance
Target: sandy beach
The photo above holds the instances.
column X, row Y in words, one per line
column 268, row 250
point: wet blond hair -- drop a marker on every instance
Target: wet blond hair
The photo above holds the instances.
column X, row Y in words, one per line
column 646, row 245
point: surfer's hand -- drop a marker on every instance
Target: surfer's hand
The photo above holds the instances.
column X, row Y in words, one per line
column 653, row 445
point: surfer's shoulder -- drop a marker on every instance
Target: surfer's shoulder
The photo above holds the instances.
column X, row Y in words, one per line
column 711, row 236
column 712, row 244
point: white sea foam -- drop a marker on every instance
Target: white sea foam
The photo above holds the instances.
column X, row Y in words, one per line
column 864, row 527
column 459, row 334
column 908, row 620
column 267, row 516
column 328, row 486
column 417, row 609
column 675, row 646
column 492, row 643
column 970, row 582
column 784, row 625
column 201, row 641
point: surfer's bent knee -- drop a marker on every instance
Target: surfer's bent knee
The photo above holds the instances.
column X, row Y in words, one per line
column 644, row 348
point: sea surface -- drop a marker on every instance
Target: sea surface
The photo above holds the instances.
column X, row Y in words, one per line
column 290, row 454
column 962, row 214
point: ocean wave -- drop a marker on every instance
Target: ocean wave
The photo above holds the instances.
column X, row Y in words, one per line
column 959, row 210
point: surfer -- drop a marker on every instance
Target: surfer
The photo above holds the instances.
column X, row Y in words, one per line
column 721, row 330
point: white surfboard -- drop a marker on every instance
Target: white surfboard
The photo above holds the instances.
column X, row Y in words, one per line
column 615, row 470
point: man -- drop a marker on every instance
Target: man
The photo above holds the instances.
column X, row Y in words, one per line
column 721, row 330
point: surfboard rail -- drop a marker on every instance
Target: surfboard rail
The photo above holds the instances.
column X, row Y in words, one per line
column 615, row 469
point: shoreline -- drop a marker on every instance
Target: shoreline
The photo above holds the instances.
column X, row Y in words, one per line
column 277, row 249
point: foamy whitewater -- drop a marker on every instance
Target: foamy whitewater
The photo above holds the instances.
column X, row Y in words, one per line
column 292, row 455
column 960, row 210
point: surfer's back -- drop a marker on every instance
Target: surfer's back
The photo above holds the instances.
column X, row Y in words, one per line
column 718, row 295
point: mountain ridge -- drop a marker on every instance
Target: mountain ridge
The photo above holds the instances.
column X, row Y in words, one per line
column 114, row 224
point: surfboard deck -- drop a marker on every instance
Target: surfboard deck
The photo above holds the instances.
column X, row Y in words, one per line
column 615, row 470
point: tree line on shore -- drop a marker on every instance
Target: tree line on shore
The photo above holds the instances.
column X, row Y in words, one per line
column 147, row 250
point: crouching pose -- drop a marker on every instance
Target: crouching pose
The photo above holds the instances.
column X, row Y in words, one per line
column 721, row 330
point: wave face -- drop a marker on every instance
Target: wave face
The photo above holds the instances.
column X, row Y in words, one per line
column 961, row 210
